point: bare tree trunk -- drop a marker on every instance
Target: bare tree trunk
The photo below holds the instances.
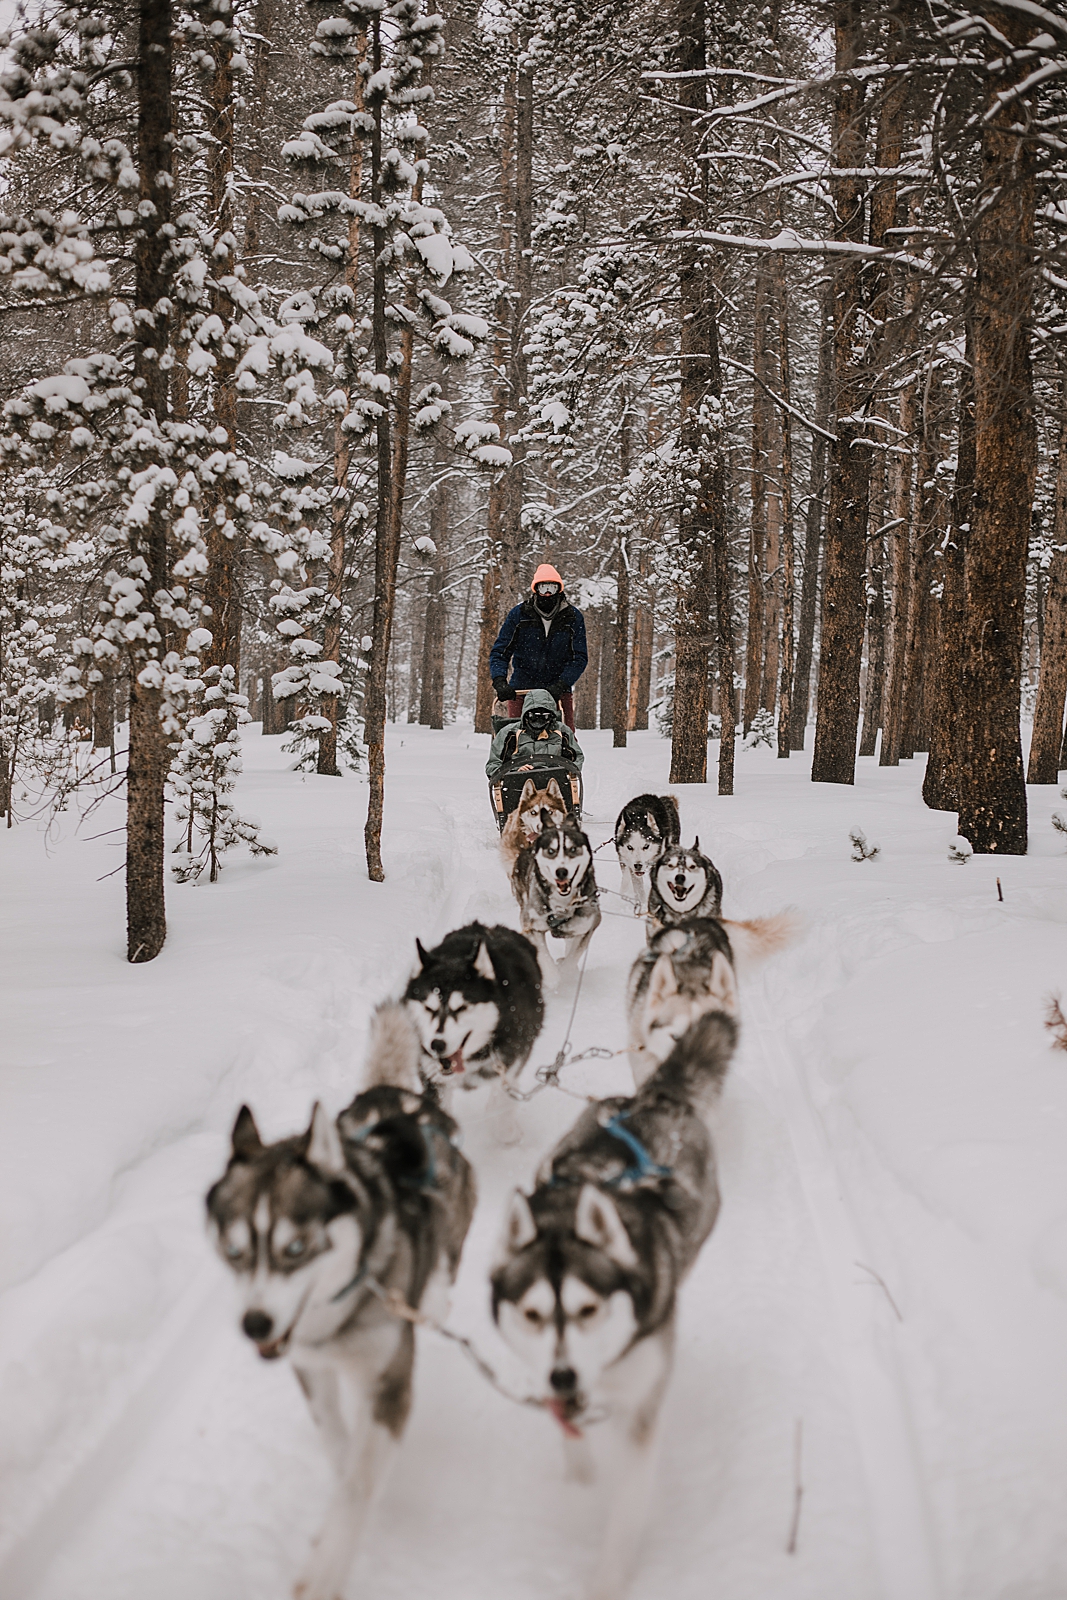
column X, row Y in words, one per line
column 641, row 666
column 221, row 590
column 146, row 925
column 326, row 762
column 252, row 123
column 703, row 517
column 900, row 474
column 992, row 790
column 432, row 689
column 620, row 688
column 586, row 691
column 843, row 607
column 1047, row 738
column 787, row 579
column 762, row 426
column 809, row 593
column 387, row 532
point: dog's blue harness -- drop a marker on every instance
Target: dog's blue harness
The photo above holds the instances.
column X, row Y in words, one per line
column 643, row 1166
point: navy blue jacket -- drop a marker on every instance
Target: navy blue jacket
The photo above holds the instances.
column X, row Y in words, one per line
column 534, row 658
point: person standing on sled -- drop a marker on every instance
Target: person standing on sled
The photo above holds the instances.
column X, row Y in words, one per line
column 542, row 643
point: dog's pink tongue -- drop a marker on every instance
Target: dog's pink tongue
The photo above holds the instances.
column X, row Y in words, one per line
column 455, row 1063
column 556, row 1408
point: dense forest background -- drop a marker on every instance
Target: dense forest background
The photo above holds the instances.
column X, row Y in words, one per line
column 323, row 324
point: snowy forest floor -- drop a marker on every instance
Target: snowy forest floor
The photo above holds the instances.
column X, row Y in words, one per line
column 886, row 1285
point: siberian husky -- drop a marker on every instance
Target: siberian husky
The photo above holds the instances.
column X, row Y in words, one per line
column 586, row 1282
column 555, row 885
column 319, row 1229
column 684, row 972
column 475, row 1001
column 684, row 883
column 646, row 826
column 526, row 819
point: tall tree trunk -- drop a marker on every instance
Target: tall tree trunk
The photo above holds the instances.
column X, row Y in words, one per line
column 255, row 103
column 787, row 580
column 621, row 696
column 941, row 781
column 607, row 673
column 900, row 474
column 221, row 590
column 326, row 761
column 432, row 688
column 586, row 692
column 146, row 924
column 641, row 662
column 1052, row 682
column 843, row 607
column 387, row 532
column 992, row 790
column 703, row 516
column 813, row 518
column 762, row 427
column 926, row 540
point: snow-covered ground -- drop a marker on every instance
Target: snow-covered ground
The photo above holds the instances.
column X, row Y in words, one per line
column 884, row 1297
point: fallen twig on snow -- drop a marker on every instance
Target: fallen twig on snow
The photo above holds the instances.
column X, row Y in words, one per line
column 880, row 1281
column 1056, row 1022
column 861, row 850
column 798, row 1489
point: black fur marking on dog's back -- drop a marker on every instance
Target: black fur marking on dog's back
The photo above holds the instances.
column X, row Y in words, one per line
column 449, row 967
column 691, row 945
column 653, row 815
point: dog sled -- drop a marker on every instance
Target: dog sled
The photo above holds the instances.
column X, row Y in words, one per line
column 505, row 790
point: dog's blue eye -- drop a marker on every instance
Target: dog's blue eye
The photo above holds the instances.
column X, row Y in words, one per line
column 295, row 1248
column 234, row 1252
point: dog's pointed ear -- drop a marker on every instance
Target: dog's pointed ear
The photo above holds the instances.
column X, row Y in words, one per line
column 483, row 966
column 324, row 1148
column 722, row 985
column 529, row 788
column 696, row 841
column 597, row 1222
column 653, row 825
column 520, row 1229
column 662, row 982
column 245, row 1137
column 424, row 959
column 554, row 791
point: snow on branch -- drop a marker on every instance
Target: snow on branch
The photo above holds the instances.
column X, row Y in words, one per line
column 790, row 243
column 728, row 361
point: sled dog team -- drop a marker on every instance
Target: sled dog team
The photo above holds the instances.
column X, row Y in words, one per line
column 344, row 1236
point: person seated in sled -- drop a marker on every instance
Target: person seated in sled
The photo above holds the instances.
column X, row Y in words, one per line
column 536, row 739
column 542, row 643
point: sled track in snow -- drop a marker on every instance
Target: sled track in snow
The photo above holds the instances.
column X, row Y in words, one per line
column 900, row 1526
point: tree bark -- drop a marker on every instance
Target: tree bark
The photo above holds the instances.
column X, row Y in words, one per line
column 843, row 607
column 432, row 687
column 787, row 578
column 621, row 686
column 146, row 924
column 762, row 427
column 1047, row 741
column 386, row 533
column 586, row 692
column 813, row 518
column 992, row 811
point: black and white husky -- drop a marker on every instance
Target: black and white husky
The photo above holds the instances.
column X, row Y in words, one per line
column 555, row 886
column 684, row 883
column 684, row 972
column 475, row 1001
column 321, row 1230
column 586, row 1283
column 645, row 827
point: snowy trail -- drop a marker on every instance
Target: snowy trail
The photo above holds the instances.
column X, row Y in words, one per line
column 201, row 1475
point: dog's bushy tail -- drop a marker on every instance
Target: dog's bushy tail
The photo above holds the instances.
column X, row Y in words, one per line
column 699, row 1062
column 671, row 803
column 392, row 1049
column 760, row 937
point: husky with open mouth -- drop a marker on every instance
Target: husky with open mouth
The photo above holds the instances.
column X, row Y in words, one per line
column 525, row 822
column 645, row 827
column 586, row 1283
column 684, row 883
column 320, row 1230
column 555, row 886
column 475, row 1002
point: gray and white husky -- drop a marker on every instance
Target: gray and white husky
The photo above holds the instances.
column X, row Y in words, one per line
column 320, row 1230
column 684, row 883
column 585, row 1287
column 555, row 886
column 644, row 828
column 684, row 972
column 475, row 1002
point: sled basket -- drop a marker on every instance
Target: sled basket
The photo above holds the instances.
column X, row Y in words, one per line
column 505, row 791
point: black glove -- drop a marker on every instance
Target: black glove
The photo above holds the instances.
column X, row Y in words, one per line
column 557, row 691
column 500, row 688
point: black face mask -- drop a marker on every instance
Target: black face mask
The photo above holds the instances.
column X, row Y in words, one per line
column 547, row 603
